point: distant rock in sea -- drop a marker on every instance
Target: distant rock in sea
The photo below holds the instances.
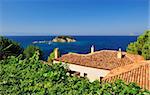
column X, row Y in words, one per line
column 63, row 39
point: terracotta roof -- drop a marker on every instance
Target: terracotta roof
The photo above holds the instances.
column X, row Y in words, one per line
column 104, row 59
column 137, row 72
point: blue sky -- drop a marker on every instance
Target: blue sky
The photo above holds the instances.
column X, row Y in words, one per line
column 73, row 17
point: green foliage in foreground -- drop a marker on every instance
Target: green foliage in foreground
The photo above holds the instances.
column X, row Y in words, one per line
column 22, row 77
column 30, row 50
column 141, row 46
column 9, row 47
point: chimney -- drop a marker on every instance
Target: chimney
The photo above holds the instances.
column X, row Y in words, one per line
column 119, row 54
column 92, row 49
column 56, row 55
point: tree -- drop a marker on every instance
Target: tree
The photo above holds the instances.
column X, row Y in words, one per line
column 146, row 51
column 141, row 46
column 132, row 48
column 30, row 50
column 9, row 47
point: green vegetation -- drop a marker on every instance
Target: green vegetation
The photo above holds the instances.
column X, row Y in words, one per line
column 31, row 76
column 30, row 50
column 9, row 47
column 12, row 48
column 65, row 37
column 141, row 46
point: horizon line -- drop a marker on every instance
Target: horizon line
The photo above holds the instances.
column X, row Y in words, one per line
column 69, row 35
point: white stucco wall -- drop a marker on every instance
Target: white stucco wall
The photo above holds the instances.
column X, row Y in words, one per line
column 92, row 73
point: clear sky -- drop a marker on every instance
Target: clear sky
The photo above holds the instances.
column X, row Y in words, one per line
column 73, row 17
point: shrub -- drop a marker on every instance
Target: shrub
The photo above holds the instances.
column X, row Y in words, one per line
column 30, row 50
column 9, row 47
column 28, row 76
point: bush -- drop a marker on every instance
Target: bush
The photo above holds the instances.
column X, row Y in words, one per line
column 30, row 50
column 141, row 46
column 28, row 76
column 9, row 47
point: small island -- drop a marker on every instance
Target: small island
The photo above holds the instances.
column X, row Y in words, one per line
column 63, row 39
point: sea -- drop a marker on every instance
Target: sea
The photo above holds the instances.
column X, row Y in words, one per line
column 82, row 45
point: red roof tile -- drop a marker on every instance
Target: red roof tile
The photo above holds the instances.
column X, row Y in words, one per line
column 137, row 72
column 104, row 59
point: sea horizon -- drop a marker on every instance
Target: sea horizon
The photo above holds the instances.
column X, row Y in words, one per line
column 67, row 35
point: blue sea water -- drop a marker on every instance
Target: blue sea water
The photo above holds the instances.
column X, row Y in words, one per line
column 82, row 45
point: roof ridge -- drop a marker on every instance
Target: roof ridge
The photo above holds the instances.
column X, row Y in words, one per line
column 89, row 54
column 129, row 55
column 129, row 58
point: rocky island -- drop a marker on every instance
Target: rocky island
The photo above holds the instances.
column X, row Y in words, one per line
column 63, row 39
